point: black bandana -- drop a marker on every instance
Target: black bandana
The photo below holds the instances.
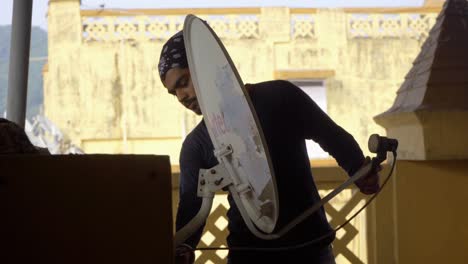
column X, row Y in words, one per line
column 172, row 55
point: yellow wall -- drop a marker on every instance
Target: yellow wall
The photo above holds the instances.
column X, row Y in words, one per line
column 431, row 218
column 421, row 216
column 102, row 90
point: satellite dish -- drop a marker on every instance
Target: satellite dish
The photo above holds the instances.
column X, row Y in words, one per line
column 244, row 165
column 244, row 168
column 232, row 123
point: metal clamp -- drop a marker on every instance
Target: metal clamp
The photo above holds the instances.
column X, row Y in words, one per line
column 212, row 180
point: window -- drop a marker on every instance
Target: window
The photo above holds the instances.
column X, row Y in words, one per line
column 317, row 91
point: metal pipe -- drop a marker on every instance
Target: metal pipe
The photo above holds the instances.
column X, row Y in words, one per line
column 196, row 222
column 19, row 61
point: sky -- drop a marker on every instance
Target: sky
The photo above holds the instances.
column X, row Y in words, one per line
column 40, row 6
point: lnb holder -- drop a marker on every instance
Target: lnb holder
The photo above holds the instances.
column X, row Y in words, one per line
column 380, row 146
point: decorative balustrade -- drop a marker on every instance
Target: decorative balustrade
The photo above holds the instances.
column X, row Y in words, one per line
column 148, row 26
column 393, row 23
column 415, row 26
column 141, row 25
column 130, row 28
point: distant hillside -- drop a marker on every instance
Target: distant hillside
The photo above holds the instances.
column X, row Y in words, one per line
column 35, row 83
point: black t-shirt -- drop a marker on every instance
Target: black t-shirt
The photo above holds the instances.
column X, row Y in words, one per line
column 287, row 116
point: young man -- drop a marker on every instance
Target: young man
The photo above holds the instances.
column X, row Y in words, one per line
column 287, row 116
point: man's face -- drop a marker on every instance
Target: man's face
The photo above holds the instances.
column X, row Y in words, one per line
column 179, row 83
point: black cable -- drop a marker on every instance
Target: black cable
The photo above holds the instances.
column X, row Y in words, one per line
column 311, row 242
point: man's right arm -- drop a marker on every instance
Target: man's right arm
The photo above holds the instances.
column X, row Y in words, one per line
column 189, row 202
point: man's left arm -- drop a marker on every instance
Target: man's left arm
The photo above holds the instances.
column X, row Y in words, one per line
column 332, row 138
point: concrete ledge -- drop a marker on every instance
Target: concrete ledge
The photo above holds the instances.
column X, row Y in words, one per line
column 428, row 134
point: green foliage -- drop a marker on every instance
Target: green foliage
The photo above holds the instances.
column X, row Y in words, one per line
column 38, row 53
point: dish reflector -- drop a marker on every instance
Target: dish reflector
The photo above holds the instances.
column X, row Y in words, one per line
column 232, row 123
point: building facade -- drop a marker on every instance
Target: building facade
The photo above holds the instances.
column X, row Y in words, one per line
column 102, row 86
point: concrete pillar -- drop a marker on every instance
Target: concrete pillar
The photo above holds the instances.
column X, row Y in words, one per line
column 427, row 219
column 64, row 23
column 63, row 75
column 275, row 24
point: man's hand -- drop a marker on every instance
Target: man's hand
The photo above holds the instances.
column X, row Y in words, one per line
column 369, row 184
column 184, row 254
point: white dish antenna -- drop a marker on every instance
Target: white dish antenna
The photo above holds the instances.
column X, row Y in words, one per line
column 244, row 161
column 232, row 123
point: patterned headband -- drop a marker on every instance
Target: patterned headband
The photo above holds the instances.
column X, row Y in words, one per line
column 172, row 55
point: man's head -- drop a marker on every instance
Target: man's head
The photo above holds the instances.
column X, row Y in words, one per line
column 175, row 74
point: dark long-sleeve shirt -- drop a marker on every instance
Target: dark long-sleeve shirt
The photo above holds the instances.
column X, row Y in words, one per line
column 287, row 116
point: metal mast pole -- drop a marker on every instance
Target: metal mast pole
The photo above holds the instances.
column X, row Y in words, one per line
column 19, row 61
